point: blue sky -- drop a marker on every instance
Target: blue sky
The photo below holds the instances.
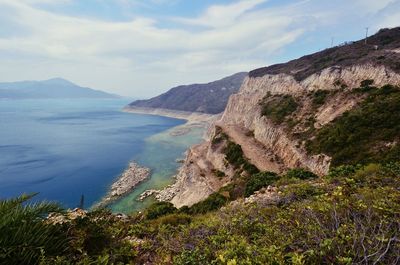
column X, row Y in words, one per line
column 142, row 48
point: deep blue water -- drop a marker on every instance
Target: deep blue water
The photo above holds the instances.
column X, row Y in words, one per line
column 65, row 148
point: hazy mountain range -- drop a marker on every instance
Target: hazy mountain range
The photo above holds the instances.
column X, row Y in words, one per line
column 52, row 88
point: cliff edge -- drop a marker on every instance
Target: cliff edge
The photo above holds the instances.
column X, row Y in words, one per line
column 272, row 123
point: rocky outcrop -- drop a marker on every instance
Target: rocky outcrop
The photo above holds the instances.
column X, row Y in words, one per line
column 270, row 147
column 195, row 180
column 129, row 179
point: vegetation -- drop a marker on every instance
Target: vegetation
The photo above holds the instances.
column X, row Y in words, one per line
column 234, row 156
column 350, row 216
column 365, row 134
column 258, row 181
column 213, row 202
column 345, row 55
column 278, row 107
column 300, row 173
column 319, row 97
column 218, row 173
column 159, row 209
column 24, row 235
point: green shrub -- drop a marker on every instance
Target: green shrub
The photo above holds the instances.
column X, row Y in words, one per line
column 213, row 202
column 278, row 107
column 234, row 154
column 300, row 173
column 174, row 219
column 159, row 209
column 250, row 168
column 300, row 191
column 259, row 181
column 319, row 97
column 342, row 171
column 358, row 136
column 218, row 173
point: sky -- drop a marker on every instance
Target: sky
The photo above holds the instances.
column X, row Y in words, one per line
column 142, row 48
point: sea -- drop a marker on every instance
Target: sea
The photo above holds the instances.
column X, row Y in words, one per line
column 68, row 149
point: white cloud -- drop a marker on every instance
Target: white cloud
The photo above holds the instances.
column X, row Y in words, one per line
column 138, row 57
column 222, row 15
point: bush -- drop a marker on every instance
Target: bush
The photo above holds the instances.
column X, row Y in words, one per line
column 234, row 154
column 218, row 173
column 213, row 202
column 342, row 171
column 259, row 181
column 174, row 219
column 319, row 97
column 300, row 191
column 159, row 209
column 300, row 173
column 278, row 107
column 250, row 168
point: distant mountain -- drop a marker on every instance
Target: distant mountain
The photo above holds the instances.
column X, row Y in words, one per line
column 52, row 88
column 207, row 98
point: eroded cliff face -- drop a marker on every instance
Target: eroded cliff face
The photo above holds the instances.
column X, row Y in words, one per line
column 243, row 109
column 267, row 145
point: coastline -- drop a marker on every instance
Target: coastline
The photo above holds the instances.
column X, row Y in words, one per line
column 126, row 182
column 190, row 117
column 193, row 120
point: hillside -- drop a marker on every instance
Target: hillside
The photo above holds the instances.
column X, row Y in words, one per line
column 52, row 88
column 206, row 98
column 341, row 114
column 382, row 50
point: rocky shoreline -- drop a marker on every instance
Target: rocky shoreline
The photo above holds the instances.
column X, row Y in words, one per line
column 129, row 179
column 191, row 117
column 194, row 120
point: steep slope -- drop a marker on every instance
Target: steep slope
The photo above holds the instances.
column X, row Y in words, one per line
column 52, row 88
column 206, row 98
column 276, row 116
column 382, row 50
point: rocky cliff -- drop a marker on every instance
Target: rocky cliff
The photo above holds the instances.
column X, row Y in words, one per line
column 276, row 143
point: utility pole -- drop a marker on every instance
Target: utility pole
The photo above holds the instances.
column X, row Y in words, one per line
column 333, row 38
column 366, row 34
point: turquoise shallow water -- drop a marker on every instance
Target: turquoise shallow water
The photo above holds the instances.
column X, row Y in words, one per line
column 160, row 153
column 66, row 148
